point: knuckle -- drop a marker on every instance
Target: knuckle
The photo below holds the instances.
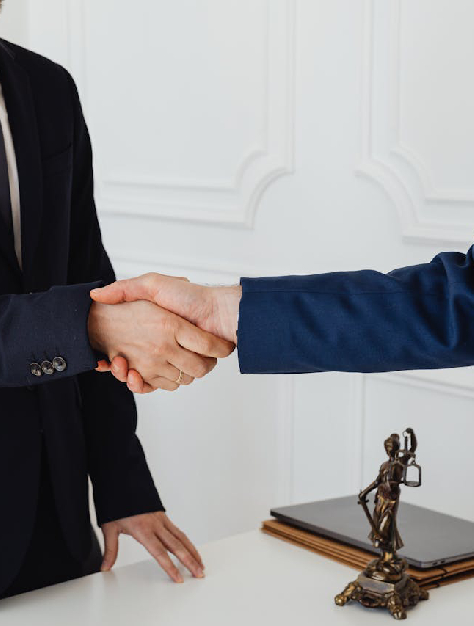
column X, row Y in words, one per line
column 167, row 385
column 201, row 369
column 151, row 276
column 182, row 555
column 207, row 344
column 162, row 555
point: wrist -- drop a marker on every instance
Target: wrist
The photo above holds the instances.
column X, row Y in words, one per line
column 226, row 302
column 95, row 327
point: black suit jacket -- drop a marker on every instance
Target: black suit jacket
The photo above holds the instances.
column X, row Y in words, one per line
column 88, row 420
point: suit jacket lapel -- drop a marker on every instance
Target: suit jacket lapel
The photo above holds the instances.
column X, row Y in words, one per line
column 22, row 117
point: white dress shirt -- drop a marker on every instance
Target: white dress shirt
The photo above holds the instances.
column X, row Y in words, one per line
column 12, row 176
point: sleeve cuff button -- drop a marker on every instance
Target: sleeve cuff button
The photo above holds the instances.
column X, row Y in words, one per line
column 47, row 367
column 35, row 369
column 59, row 364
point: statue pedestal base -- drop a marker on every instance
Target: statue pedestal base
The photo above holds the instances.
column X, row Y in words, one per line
column 395, row 593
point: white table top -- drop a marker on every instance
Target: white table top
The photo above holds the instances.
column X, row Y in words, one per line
column 252, row 579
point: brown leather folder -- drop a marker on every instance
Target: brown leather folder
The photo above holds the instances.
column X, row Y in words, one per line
column 358, row 558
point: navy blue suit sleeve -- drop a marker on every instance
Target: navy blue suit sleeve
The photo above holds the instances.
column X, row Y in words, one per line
column 419, row 317
column 40, row 326
column 122, row 482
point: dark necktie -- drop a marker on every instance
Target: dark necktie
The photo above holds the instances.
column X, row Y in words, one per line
column 5, row 201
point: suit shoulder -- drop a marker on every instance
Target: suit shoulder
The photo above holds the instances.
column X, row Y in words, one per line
column 38, row 67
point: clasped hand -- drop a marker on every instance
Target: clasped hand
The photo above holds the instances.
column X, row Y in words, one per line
column 160, row 332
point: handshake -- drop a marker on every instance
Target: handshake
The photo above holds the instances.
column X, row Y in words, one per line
column 160, row 332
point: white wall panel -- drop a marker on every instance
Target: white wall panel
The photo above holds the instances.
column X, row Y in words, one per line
column 224, row 69
column 14, row 21
column 417, row 130
column 326, row 436
column 442, row 420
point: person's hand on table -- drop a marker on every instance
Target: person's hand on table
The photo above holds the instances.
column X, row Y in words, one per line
column 167, row 350
column 212, row 309
column 158, row 535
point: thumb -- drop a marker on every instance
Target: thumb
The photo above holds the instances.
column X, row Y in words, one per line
column 102, row 366
column 110, row 294
column 140, row 288
column 206, row 344
column 111, row 536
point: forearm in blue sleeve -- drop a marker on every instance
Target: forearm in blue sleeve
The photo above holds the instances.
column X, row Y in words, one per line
column 418, row 317
column 39, row 327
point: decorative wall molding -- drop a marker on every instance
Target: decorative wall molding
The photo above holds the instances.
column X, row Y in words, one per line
column 400, row 170
column 432, row 194
column 232, row 201
column 133, row 262
column 453, row 382
column 458, row 382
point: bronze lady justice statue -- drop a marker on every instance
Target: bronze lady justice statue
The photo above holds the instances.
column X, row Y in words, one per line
column 384, row 582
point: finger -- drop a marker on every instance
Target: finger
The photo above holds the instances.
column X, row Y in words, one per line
column 176, row 374
column 193, row 364
column 135, row 382
column 167, row 370
column 181, row 552
column 185, row 540
column 201, row 342
column 110, row 294
column 102, row 366
column 163, row 383
column 171, row 371
column 139, row 288
column 154, row 547
column 119, row 368
column 111, row 536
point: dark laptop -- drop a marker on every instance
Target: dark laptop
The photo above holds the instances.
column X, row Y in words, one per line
column 430, row 538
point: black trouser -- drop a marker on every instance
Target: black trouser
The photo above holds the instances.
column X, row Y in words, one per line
column 48, row 560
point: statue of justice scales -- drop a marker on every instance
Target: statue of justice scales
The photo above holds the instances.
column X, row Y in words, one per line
column 385, row 582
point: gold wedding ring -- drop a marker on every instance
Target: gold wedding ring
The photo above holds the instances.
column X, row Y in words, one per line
column 180, row 378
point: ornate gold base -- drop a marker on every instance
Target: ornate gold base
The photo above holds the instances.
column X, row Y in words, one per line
column 372, row 592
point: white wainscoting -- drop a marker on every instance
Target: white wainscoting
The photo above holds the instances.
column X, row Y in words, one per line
column 228, row 138
column 418, row 138
column 245, row 67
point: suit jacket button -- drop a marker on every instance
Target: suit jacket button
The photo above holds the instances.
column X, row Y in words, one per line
column 47, row 367
column 35, row 369
column 59, row 364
